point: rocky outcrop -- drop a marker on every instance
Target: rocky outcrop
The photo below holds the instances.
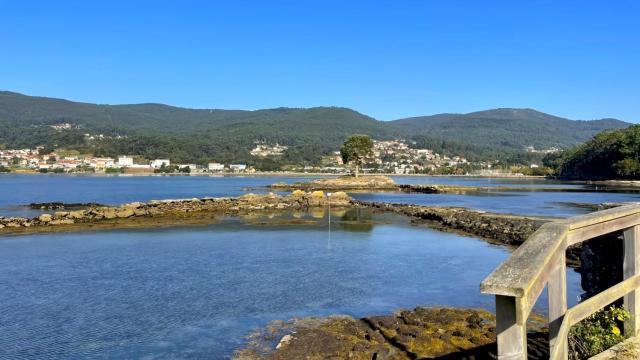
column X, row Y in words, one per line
column 506, row 229
column 344, row 183
column 297, row 200
column 422, row 333
column 60, row 205
column 439, row 189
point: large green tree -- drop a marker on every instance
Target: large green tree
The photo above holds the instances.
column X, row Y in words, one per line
column 355, row 150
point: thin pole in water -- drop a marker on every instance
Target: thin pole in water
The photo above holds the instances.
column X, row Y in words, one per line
column 329, row 202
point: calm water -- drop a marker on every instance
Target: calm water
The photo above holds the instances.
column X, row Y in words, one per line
column 112, row 190
column 197, row 292
column 19, row 190
column 523, row 203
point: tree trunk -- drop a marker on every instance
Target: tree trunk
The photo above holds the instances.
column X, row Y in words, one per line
column 357, row 169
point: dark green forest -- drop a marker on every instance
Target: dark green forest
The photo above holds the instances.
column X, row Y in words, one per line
column 611, row 154
column 202, row 135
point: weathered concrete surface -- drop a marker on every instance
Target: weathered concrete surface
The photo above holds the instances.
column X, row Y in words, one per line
column 627, row 350
column 422, row 333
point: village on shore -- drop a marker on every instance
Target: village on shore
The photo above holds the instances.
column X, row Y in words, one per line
column 389, row 157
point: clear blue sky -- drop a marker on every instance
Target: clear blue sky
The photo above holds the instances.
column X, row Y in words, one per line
column 387, row 59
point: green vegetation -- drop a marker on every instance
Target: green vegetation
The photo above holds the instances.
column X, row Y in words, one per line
column 597, row 333
column 504, row 129
column 612, row 154
column 113, row 170
column 203, row 135
column 356, row 149
column 4, row 169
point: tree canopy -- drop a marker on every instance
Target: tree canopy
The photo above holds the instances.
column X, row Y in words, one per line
column 609, row 155
column 356, row 149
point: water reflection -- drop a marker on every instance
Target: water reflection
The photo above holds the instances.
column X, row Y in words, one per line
column 197, row 292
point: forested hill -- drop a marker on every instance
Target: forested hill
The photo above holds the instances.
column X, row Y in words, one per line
column 507, row 128
column 21, row 110
column 155, row 130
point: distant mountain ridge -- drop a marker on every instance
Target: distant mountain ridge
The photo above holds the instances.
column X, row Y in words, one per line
column 25, row 121
column 514, row 128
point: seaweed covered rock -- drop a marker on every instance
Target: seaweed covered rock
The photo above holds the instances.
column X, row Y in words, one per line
column 408, row 334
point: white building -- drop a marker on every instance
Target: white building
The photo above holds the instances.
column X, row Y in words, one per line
column 157, row 163
column 238, row 167
column 101, row 163
column 215, row 167
column 125, row 161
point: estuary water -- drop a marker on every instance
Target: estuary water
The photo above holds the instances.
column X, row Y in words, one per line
column 197, row 292
column 19, row 190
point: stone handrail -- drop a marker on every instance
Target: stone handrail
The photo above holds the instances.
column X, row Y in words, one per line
column 518, row 282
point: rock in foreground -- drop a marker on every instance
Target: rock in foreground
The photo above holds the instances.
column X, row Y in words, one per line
column 408, row 334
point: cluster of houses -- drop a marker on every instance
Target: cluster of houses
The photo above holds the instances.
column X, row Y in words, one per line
column 265, row 150
column 31, row 159
column 390, row 157
column 397, row 157
column 531, row 149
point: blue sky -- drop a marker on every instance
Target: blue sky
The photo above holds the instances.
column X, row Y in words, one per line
column 387, row 59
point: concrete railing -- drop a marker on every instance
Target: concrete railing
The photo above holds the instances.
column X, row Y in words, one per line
column 539, row 261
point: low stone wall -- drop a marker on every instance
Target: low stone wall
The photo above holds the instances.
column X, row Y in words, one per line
column 297, row 200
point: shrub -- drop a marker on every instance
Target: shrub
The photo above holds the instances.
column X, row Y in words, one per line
column 113, row 170
column 597, row 333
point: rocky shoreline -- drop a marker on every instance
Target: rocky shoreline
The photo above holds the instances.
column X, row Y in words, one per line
column 505, row 229
column 421, row 333
column 180, row 209
column 56, row 205
column 509, row 230
column 385, row 183
column 502, row 229
column 343, row 183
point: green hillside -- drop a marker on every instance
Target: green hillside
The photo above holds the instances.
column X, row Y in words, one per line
column 506, row 128
column 611, row 154
column 200, row 135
